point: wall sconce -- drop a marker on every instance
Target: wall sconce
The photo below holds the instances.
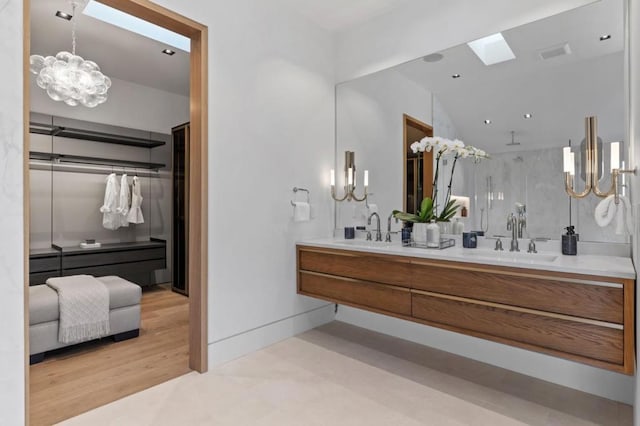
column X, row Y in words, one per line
column 591, row 165
column 349, row 179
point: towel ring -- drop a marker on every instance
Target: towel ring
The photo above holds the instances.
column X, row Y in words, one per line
column 296, row 189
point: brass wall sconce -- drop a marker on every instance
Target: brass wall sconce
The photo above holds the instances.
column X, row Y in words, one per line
column 349, row 180
column 591, row 165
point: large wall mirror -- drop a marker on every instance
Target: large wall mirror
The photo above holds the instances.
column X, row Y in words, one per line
column 566, row 67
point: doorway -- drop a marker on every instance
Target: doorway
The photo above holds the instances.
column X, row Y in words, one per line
column 197, row 185
column 418, row 167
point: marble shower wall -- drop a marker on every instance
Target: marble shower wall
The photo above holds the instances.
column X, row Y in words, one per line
column 534, row 178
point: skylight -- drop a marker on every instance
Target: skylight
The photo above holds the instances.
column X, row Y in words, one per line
column 131, row 23
column 492, row 49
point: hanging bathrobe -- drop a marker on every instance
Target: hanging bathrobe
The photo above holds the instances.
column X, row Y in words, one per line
column 135, row 213
column 123, row 201
column 110, row 216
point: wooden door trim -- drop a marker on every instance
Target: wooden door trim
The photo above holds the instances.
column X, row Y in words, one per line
column 198, row 189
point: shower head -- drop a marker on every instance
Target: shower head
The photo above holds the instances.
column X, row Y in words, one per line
column 513, row 142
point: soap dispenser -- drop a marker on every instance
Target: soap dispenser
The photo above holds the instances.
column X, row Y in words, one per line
column 458, row 227
column 570, row 242
column 433, row 234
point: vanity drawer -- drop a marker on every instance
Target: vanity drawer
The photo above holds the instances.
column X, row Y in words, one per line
column 382, row 269
column 523, row 327
column 584, row 298
column 356, row 292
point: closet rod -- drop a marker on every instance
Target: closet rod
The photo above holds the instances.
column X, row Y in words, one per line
column 98, row 161
column 96, row 170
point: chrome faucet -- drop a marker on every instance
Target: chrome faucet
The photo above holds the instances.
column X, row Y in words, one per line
column 378, row 232
column 521, row 209
column 388, row 237
column 512, row 225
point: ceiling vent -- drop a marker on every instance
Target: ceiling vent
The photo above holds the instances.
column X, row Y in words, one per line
column 554, row 51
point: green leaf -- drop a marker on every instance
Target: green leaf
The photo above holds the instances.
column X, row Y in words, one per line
column 406, row 217
column 449, row 211
column 426, row 209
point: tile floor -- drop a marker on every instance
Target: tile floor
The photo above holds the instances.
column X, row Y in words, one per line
column 344, row 375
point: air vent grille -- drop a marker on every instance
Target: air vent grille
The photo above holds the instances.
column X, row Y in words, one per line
column 555, row 51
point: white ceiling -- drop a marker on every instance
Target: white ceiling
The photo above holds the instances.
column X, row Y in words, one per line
column 338, row 15
column 119, row 53
column 559, row 92
column 131, row 57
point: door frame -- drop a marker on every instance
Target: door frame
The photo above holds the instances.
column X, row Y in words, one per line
column 198, row 164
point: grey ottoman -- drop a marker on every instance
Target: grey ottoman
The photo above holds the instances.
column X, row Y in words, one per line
column 124, row 315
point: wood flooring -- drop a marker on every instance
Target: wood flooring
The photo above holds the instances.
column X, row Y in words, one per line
column 73, row 380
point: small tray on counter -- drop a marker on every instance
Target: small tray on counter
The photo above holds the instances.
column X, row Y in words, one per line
column 444, row 243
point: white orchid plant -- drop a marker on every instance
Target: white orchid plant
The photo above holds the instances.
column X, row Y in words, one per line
column 440, row 146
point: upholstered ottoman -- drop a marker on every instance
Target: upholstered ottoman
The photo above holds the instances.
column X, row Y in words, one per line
column 124, row 315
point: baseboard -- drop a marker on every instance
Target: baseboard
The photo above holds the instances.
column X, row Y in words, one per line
column 596, row 381
column 233, row 347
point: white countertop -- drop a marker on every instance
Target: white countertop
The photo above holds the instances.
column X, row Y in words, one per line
column 546, row 260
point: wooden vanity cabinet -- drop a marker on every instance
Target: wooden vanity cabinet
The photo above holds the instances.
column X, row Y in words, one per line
column 584, row 318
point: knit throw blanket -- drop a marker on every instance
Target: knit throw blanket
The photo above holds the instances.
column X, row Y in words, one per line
column 84, row 308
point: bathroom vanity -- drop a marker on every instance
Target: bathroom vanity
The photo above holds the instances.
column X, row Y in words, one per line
column 575, row 307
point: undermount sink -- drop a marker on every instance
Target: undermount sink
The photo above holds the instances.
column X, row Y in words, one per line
column 364, row 243
column 516, row 257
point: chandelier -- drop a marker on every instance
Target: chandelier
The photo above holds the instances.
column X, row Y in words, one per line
column 68, row 78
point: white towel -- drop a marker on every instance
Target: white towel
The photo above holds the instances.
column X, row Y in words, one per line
column 607, row 211
column 301, row 211
column 84, row 308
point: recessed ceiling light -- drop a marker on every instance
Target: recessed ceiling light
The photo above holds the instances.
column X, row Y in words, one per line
column 64, row 15
column 528, row 115
column 492, row 49
column 456, row 76
column 169, row 52
column 487, row 121
column 605, row 37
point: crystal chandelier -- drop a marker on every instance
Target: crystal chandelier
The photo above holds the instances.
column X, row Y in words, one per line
column 67, row 77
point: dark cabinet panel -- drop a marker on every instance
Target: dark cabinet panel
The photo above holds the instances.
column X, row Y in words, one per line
column 134, row 261
column 180, row 240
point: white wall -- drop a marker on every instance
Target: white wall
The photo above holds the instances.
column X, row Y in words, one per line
column 420, row 27
column 271, row 128
column 129, row 105
column 410, row 32
column 12, row 368
column 369, row 119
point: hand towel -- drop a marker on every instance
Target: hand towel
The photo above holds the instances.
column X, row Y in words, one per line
column 606, row 211
column 301, row 211
column 624, row 219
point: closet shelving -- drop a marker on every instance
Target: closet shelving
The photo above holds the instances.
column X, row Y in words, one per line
column 97, row 161
column 95, row 136
column 92, row 135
